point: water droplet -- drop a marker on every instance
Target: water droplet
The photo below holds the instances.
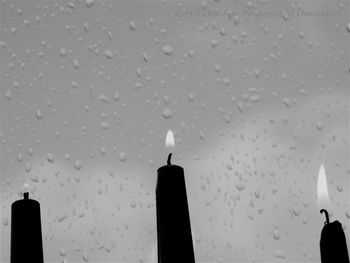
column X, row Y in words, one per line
column 37, row 19
column 63, row 52
column 240, row 186
column 167, row 113
column 122, row 156
column 257, row 73
column 226, row 81
column 39, row 114
column 62, row 252
column 255, row 98
column 138, row 85
column 132, row 26
column 138, row 73
column 229, row 166
column 103, row 98
column 107, row 248
column 286, row 102
column 78, row 165
column 348, row 27
column 347, row 213
column 111, row 173
column 236, row 20
column 74, row 85
column 104, row 125
column 222, row 31
column 133, row 204
column 8, row 94
column 28, row 167
column 276, row 234
column 257, row 193
column 5, row 221
column 116, row 96
column 8, row 181
column 280, row 254
column 13, row 30
column 168, row 50
column 305, row 221
column 34, row 178
column 295, row 211
column 145, row 57
column 339, row 188
column 86, row 27
column 319, row 126
column 62, row 217
column 214, row 43
column 190, row 53
column 103, row 151
column 286, row 16
column 50, row 157
column 81, row 213
column 19, row 157
column 110, row 36
column 89, row 3
column 76, row 64
column 109, row 54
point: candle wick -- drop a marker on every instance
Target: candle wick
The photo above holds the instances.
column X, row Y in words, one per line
column 26, row 195
column 169, row 159
column 327, row 216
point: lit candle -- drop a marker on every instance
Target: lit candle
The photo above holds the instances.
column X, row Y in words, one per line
column 173, row 220
column 26, row 240
column 333, row 242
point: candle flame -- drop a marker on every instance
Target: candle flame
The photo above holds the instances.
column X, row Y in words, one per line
column 170, row 140
column 322, row 188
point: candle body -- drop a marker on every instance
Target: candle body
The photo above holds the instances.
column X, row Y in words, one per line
column 173, row 221
column 333, row 244
column 26, row 239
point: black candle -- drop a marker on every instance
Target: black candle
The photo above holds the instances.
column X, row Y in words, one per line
column 174, row 237
column 333, row 242
column 26, row 240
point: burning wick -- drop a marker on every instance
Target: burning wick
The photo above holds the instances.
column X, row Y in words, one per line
column 169, row 144
column 169, row 159
column 327, row 216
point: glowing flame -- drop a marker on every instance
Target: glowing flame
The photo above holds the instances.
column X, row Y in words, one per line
column 170, row 141
column 322, row 188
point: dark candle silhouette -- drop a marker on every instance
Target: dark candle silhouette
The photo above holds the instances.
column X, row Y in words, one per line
column 174, row 237
column 26, row 239
column 333, row 242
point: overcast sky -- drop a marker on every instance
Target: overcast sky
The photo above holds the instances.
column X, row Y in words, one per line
column 257, row 94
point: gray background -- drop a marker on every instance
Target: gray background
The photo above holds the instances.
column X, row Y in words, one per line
column 256, row 92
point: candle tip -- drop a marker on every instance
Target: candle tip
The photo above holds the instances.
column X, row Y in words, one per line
column 327, row 216
column 169, row 159
column 26, row 195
